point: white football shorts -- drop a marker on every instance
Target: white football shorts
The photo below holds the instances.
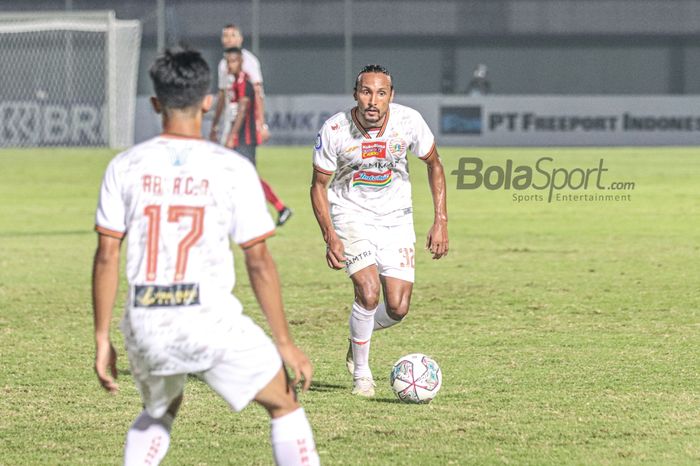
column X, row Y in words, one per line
column 239, row 372
column 390, row 248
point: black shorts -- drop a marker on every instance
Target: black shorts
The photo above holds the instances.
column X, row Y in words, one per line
column 247, row 151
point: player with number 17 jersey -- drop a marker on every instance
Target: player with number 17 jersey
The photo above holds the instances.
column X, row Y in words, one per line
column 371, row 183
column 175, row 197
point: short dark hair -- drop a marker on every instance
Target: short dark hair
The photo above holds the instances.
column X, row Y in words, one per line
column 373, row 69
column 181, row 78
column 233, row 50
column 231, row 26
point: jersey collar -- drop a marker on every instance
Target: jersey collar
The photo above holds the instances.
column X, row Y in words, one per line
column 363, row 130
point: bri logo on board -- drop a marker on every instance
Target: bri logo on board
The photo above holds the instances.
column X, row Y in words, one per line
column 374, row 149
column 367, row 178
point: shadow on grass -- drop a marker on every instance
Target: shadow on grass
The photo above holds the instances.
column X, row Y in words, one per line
column 325, row 387
column 385, row 400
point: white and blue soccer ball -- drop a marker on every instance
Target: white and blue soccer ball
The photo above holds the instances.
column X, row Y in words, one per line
column 416, row 378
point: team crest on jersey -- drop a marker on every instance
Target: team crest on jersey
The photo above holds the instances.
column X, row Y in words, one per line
column 397, row 147
column 318, row 143
column 182, row 294
column 374, row 149
column 368, row 178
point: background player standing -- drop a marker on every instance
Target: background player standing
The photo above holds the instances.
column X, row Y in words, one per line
column 231, row 37
column 231, row 89
column 366, row 215
column 177, row 200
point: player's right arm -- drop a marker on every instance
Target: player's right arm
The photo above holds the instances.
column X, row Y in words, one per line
column 111, row 226
column 220, row 103
column 105, row 279
column 325, row 162
column 335, row 252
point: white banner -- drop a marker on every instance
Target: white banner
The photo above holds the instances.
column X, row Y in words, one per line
column 496, row 120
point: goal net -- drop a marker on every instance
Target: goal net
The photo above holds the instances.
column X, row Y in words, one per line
column 68, row 79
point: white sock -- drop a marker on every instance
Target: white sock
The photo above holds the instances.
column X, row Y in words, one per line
column 148, row 440
column 292, row 440
column 361, row 325
column 382, row 319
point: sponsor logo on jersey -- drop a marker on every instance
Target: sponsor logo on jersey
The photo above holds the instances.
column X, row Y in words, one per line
column 397, row 147
column 367, row 178
column 318, row 143
column 352, row 259
column 182, row 294
column 377, row 165
column 374, row 149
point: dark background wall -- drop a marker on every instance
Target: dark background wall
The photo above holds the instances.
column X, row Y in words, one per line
column 530, row 46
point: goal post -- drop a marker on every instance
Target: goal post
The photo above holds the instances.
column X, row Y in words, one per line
column 68, row 79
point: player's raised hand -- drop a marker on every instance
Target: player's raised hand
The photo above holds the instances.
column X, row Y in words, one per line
column 437, row 242
column 335, row 253
column 299, row 363
column 106, row 366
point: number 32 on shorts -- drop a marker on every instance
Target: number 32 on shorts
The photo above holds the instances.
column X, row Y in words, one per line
column 408, row 258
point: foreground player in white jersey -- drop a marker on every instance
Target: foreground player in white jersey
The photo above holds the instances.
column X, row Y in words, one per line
column 177, row 200
column 366, row 215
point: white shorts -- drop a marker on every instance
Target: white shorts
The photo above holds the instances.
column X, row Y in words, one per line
column 238, row 373
column 390, row 248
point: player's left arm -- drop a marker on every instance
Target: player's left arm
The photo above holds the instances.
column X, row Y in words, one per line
column 260, row 112
column 237, row 124
column 437, row 242
column 105, row 280
column 265, row 282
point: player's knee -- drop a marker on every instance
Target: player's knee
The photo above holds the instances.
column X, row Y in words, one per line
column 284, row 406
column 367, row 294
column 369, row 299
column 397, row 313
column 397, row 309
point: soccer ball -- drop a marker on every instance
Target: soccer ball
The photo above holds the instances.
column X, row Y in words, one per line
column 416, row 378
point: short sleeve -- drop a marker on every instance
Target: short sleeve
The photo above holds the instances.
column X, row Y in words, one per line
column 251, row 67
column 423, row 141
column 223, row 74
column 325, row 158
column 251, row 221
column 110, row 218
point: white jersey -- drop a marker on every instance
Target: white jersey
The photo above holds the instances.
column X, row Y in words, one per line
column 178, row 201
column 371, row 182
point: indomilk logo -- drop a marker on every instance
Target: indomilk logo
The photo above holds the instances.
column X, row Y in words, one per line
column 365, row 178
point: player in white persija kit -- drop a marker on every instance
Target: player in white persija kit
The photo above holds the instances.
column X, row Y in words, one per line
column 365, row 212
column 177, row 200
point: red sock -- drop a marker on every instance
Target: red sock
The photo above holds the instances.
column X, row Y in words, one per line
column 271, row 197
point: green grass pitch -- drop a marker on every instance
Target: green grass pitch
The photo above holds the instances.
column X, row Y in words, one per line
column 567, row 332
